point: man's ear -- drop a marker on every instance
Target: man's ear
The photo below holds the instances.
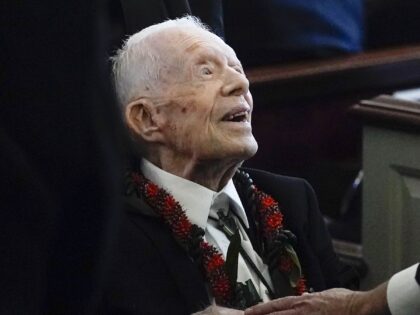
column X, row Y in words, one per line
column 139, row 116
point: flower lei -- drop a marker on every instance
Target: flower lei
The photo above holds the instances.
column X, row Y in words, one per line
column 271, row 219
column 190, row 236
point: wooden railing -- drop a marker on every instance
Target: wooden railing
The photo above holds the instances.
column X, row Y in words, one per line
column 389, row 112
column 375, row 70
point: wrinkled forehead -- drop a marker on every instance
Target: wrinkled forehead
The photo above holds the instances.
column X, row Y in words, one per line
column 184, row 44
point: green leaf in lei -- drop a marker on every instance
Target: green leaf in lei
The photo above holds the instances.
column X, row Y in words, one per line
column 232, row 257
column 296, row 272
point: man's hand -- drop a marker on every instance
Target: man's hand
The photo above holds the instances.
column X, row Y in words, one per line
column 335, row 302
column 330, row 302
column 218, row 310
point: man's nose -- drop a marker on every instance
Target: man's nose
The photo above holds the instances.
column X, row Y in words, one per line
column 236, row 84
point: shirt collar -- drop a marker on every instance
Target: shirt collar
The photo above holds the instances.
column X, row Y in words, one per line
column 196, row 200
column 235, row 201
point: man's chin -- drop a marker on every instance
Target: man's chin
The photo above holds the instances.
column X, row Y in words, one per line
column 232, row 151
column 251, row 151
column 246, row 151
column 251, row 146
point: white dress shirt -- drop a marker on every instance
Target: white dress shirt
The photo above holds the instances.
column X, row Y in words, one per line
column 200, row 203
column 403, row 293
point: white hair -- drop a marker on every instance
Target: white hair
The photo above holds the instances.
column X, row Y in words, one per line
column 137, row 65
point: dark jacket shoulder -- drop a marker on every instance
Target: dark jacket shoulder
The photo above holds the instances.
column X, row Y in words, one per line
column 150, row 273
column 299, row 205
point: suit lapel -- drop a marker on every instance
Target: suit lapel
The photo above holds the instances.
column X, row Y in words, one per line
column 184, row 271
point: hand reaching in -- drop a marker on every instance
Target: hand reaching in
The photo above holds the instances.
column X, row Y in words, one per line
column 329, row 302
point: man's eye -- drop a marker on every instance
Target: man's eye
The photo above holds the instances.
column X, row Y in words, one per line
column 206, row 71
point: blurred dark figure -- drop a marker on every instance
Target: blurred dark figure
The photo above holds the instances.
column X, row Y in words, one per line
column 131, row 16
column 392, row 23
column 211, row 13
column 60, row 145
column 275, row 31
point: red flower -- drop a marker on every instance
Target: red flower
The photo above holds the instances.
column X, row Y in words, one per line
column 274, row 221
column 221, row 289
column 151, row 190
column 301, row 286
column 215, row 262
column 182, row 228
column 205, row 246
column 168, row 205
column 286, row 264
column 266, row 202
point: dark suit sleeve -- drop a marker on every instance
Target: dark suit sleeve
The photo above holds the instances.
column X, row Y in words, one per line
column 418, row 275
column 336, row 274
column 319, row 238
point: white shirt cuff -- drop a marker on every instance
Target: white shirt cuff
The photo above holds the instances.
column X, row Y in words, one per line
column 403, row 293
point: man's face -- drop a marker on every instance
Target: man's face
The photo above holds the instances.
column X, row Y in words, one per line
column 206, row 108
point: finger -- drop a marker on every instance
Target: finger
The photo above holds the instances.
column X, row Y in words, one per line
column 229, row 311
column 272, row 306
column 289, row 312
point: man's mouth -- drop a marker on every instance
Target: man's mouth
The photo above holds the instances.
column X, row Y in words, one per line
column 237, row 115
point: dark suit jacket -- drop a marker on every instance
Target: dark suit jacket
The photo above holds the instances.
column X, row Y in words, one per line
column 151, row 273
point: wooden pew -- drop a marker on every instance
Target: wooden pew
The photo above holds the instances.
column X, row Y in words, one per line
column 391, row 191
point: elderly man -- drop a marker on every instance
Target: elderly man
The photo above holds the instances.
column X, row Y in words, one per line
column 197, row 229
